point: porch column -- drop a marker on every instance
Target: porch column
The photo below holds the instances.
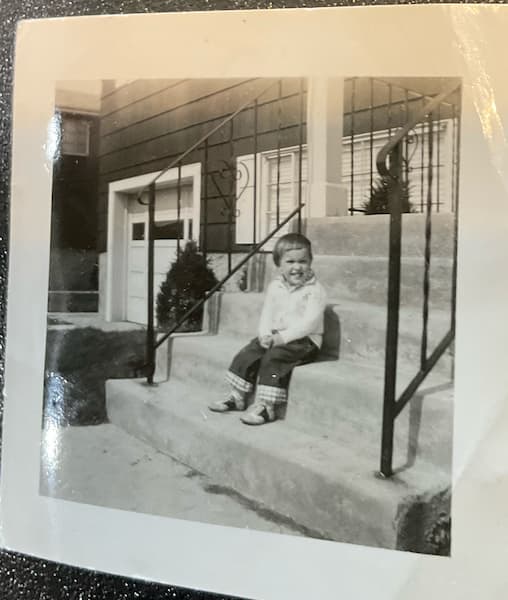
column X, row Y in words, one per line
column 327, row 196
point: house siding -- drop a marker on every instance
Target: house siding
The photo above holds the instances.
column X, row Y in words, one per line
column 145, row 125
column 379, row 104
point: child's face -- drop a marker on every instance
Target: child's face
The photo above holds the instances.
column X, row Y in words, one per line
column 295, row 266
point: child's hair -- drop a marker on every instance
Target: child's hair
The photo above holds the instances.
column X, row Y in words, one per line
column 290, row 241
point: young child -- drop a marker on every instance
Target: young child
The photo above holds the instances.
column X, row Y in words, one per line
column 290, row 334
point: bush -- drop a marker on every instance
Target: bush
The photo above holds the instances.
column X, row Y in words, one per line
column 187, row 281
column 438, row 537
column 78, row 362
column 377, row 204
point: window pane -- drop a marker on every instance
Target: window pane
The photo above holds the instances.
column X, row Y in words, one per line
column 138, row 231
column 75, row 136
column 285, row 169
column 168, row 230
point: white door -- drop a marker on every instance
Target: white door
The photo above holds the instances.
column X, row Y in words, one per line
column 167, row 232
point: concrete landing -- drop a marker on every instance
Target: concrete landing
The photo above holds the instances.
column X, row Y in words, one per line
column 103, row 466
column 327, row 487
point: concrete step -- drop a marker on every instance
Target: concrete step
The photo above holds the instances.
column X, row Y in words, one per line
column 327, row 487
column 367, row 235
column 336, row 399
column 352, row 329
column 345, row 400
column 365, row 279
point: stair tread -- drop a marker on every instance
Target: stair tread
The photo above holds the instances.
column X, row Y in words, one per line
column 338, row 400
column 361, row 235
column 346, row 303
column 221, row 348
column 439, row 260
column 330, row 459
column 352, row 329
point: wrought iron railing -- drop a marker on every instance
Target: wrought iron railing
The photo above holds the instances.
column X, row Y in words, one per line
column 374, row 110
column 395, row 174
column 229, row 196
column 219, row 285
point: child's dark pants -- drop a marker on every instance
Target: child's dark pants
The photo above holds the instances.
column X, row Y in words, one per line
column 271, row 368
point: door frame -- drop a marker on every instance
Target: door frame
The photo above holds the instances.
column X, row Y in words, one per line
column 118, row 229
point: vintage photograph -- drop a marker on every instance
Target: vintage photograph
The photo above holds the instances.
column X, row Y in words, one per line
column 251, row 310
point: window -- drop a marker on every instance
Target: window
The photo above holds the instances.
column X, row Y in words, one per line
column 168, row 230
column 277, row 185
column 276, row 188
column 75, row 135
column 282, row 188
column 138, row 232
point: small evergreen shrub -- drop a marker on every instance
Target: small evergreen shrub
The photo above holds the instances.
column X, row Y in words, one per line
column 187, row 281
column 377, row 204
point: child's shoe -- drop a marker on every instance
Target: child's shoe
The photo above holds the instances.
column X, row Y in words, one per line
column 259, row 414
column 234, row 402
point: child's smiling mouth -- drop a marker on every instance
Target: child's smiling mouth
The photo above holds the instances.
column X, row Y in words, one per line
column 297, row 276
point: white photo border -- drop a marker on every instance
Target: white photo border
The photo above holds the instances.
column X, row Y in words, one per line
column 453, row 40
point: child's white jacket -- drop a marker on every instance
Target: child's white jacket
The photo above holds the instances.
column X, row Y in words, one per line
column 294, row 312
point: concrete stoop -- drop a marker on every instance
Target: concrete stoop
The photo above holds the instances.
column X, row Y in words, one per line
column 329, row 488
column 316, row 464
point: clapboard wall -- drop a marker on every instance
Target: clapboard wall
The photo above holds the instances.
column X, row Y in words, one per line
column 146, row 124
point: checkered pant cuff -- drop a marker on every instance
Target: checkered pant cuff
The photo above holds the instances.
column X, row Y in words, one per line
column 269, row 394
column 238, row 383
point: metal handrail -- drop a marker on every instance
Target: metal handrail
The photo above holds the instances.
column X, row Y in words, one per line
column 218, row 286
column 205, row 137
column 225, row 279
column 151, row 344
column 385, row 151
column 414, row 384
column 392, row 406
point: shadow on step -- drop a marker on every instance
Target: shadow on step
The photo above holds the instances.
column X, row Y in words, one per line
column 331, row 336
column 416, row 425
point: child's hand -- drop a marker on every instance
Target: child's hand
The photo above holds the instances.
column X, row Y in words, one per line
column 277, row 339
column 266, row 341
